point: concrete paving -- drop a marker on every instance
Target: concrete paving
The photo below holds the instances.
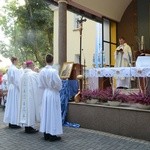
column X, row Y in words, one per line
column 72, row 139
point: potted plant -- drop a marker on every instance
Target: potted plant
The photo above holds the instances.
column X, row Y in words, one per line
column 113, row 98
column 140, row 100
column 90, row 96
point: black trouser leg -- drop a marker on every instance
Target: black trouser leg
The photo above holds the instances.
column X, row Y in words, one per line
column 10, row 125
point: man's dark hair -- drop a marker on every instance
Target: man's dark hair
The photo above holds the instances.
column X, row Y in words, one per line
column 121, row 37
column 49, row 58
column 13, row 59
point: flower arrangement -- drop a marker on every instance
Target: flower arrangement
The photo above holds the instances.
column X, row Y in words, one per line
column 109, row 95
column 90, row 94
column 116, row 97
column 86, row 94
column 104, row 95
column 120, row 97
column 140, row 98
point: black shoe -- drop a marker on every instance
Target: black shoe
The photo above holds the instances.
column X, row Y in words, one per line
column 53, row 138
column 120, row 87
column 30, row 130
column 46, row 136
column 13, row 126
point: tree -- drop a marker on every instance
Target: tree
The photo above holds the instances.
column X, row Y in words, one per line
column 31, row 29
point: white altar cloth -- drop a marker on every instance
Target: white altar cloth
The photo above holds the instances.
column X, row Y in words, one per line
column 119, row 72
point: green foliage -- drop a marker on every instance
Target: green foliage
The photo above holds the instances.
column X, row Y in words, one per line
column 30, row 28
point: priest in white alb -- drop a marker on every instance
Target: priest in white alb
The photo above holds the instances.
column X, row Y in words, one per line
column 29, row 103
column 123, row 58
column 51, row 120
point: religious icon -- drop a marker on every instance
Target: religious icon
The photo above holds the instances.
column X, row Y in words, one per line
column 66, row 70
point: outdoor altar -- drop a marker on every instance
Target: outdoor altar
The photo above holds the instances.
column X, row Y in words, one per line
column 141, row 71
column 122, row 120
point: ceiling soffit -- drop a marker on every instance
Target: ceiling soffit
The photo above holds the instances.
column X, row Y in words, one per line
column 112, row 9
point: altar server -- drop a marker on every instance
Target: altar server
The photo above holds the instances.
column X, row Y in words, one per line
column 11, row 110
column 51, row 120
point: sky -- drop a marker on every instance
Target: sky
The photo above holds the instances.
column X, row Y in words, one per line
column 2, row 3
column 2, row 36
column 5, row 61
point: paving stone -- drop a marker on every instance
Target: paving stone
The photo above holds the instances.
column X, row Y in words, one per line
column 72, row 139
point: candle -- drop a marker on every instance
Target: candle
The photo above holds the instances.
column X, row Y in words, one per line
column 142, row 39
column 142, row 42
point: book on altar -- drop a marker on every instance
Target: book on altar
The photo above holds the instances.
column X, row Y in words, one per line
column 143, row 61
